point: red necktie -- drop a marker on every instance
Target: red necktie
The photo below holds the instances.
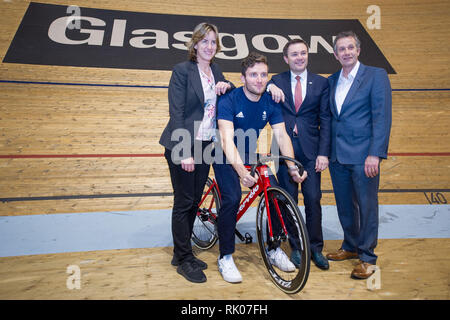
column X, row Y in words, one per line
column 297, row 98
column 298, row 94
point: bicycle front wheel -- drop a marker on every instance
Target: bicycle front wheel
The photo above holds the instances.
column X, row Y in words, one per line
column 288, row 233
column 204, row 232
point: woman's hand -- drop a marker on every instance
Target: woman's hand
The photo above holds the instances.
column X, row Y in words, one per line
column 222, row 87
column 188, row 164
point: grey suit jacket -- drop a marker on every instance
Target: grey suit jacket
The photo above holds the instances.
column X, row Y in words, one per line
column 186, row 104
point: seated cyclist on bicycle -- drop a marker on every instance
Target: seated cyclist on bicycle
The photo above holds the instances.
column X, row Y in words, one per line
column 245, row 111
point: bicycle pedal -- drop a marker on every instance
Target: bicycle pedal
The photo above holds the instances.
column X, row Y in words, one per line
column 248, row 238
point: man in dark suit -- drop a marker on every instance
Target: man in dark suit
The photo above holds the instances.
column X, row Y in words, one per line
column 361, row 107
column 307, row 116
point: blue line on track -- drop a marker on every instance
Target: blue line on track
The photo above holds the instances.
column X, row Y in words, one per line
column 165, row 194
column 157, row 87
column 82, row 84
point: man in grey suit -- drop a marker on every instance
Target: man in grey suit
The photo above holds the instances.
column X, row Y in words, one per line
column 361, row 108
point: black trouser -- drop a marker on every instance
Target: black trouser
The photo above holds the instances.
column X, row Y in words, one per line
column 187, row 190
column 312, row 195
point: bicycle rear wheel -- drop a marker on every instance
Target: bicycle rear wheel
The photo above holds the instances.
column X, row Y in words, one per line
column 290, row 238
column 204, row 233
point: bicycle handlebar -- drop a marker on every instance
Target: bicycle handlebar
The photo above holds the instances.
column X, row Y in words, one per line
column 262, row 160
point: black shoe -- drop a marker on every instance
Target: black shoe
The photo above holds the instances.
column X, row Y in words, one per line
column 191, row 272
column 202, row 265
column 320, row 261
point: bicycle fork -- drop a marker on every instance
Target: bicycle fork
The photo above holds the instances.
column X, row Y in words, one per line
column 269, row 219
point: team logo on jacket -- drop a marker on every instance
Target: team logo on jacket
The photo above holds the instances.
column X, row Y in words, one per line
column 264, row 116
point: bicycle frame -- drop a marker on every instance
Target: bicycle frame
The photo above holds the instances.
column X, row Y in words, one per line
column 279, row 224
column 214, row 184
column 261, row 186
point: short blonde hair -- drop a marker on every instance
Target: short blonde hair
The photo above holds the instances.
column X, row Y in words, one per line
column 200, row 31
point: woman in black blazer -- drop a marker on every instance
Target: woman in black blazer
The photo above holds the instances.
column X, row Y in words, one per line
column 193, row 90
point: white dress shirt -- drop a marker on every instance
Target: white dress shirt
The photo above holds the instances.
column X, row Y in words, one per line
column 343, row 86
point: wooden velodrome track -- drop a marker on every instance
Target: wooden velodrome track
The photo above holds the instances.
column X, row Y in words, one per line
column 58, row 141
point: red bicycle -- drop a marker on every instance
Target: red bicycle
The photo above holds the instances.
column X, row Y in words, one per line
column 279, row 223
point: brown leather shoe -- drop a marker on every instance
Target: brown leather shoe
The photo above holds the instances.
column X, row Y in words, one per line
column 341, row 254
column 362, row 270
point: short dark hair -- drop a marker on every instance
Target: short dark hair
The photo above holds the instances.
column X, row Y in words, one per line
column 252, row 59
column 346, row 34
column 291, row 42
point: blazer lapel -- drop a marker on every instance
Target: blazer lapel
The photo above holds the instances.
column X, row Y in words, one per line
column 354, row 88
column 217, row 74
column 196, row 82
column 309, row 88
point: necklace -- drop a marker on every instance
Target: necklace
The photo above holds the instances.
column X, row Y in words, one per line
column 208, row 79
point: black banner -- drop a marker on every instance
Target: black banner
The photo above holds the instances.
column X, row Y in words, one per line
column 85, row 37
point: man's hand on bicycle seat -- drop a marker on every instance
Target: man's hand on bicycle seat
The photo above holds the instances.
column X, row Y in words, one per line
column 295, row 175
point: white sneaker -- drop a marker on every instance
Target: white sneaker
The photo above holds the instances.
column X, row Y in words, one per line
column 280, row 260
column 228, row 269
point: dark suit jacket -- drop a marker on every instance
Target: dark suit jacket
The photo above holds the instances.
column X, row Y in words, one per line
column 313, row 118
column 186, row 103
column 363, row 126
